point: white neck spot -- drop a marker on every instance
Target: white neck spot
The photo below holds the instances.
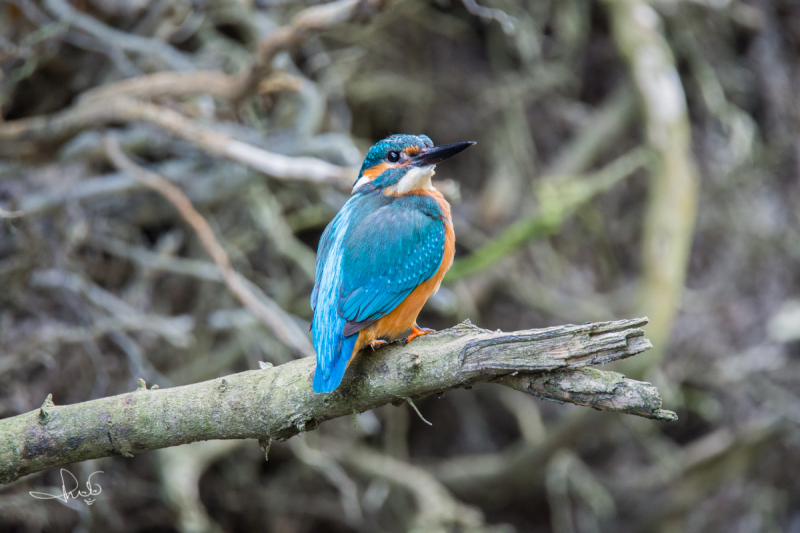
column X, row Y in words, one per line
column 414, row 179
column 361, row 181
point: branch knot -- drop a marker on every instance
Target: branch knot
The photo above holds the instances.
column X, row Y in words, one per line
column 46, row 411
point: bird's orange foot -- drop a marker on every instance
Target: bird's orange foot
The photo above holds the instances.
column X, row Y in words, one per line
column 418, row 332
column 377, row 344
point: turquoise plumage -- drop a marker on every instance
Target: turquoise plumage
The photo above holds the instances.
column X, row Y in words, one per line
column 377, row 250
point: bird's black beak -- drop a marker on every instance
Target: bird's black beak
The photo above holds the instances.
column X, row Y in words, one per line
column 437, row 154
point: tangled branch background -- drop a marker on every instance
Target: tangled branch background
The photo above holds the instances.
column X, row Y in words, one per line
column 167, row 168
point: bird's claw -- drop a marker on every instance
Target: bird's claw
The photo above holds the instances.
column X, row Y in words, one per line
column 418, row 332
column 377, row 344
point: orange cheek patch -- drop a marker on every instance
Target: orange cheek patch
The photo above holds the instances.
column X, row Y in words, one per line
column 373, row 172
column 411, row 150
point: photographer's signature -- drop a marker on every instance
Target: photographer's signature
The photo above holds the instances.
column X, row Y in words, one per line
column 75, row 493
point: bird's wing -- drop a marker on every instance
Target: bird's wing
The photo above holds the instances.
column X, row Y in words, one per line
column 385, row 257
column 323, row 252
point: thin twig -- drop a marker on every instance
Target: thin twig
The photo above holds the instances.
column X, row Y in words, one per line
column 311, row 19
column 508, row 23
column 213, row 142
column 10, row 214
column 118, row 39
column 323, row 463
column 412, row 404
column 174, row 329
column 277, row 321
column 181, row 84
column 160, row 84
column 437, row 508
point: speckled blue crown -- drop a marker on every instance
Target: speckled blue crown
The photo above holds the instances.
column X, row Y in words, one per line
column 397, row 142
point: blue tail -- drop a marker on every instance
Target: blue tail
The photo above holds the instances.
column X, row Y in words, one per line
column 328, row 376
column 334, row 350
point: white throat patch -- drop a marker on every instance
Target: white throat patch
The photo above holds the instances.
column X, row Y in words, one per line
column 416, row 178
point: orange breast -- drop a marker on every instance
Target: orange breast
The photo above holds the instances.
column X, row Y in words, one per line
column 402, row 317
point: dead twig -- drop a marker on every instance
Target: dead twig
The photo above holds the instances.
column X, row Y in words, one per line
column 10, row 214
column 159, row 84
column 119, row 39
column 175, row 329
column 295, row 33
column 437, row 508
column 507, row 22
column 182, row 84
column 211, row 141
column 277, row 321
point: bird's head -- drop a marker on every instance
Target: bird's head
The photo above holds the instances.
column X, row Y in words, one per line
column 403, row 164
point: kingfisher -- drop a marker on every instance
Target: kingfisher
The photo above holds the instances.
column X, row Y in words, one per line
column 382, row 256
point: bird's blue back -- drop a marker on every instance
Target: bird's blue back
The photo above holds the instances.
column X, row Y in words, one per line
column 375, row 252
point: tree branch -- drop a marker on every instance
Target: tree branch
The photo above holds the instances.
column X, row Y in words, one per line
column 210, row 140
column 311, row 19
column 279, row 323
column 119, row 39
column 278, row 403
column 668, row 229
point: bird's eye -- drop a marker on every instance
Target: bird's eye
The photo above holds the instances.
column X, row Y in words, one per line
column 393, row 156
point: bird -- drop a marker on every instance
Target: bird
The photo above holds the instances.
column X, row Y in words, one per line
column 382, row 256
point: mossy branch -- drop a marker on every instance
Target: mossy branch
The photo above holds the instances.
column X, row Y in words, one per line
column 278, row 402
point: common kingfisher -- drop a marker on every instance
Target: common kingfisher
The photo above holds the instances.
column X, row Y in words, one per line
column 382, row 256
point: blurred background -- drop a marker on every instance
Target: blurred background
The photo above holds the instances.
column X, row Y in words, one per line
column 634, row 158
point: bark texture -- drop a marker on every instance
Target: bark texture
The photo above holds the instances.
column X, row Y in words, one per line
column 278, row 402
